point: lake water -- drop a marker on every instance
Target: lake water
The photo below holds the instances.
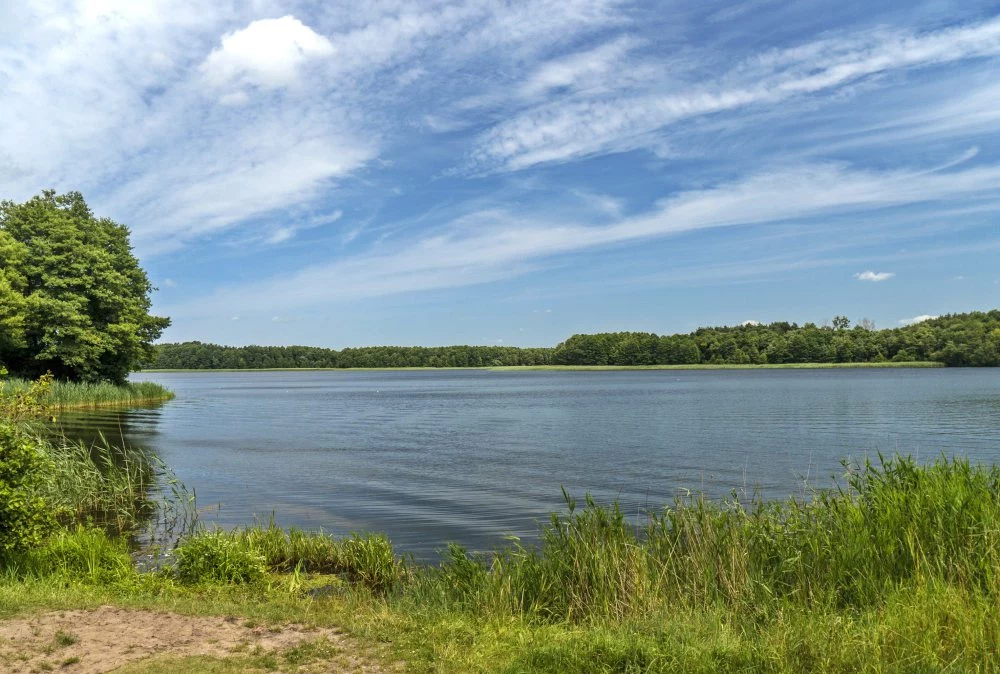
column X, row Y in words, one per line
column 470, row 456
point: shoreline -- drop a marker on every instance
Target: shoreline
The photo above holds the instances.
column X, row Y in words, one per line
column 573, row 368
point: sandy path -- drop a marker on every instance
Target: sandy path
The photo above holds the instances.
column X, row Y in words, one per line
column 101, row 640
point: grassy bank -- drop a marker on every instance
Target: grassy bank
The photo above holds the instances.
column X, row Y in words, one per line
column 69, row 395
column 573, row 368
column 897, row 570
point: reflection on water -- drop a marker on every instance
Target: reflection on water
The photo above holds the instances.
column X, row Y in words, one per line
column 468, row 456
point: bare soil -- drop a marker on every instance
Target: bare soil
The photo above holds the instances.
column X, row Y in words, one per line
column 104, row 639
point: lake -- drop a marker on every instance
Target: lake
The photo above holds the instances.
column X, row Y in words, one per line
column 471, row 456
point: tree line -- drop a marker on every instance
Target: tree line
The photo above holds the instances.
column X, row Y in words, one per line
column 199, row 356
column 971, row 339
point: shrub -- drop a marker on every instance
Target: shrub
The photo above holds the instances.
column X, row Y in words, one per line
column 21, row 400
column 216, row 556
column 25, row 518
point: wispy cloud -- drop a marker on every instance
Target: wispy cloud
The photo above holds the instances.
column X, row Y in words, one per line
column 186, row 120
column 874, row 276
column 570, row 128
column 604, row 66
column 484, row 247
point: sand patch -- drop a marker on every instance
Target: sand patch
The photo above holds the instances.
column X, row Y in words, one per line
column 101, row 640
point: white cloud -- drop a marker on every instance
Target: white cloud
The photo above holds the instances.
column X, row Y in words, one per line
column 874, row 276
column 916, row 319
column 280, row 235
column 750, row 323
column 111, row 97
column 491, row 245
column 267, row 53
column 575, row 127
column 169, row 283
column 596, row 67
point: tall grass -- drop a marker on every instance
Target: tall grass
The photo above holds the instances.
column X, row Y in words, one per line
column 243, row 555
column 108, row 485
column 67, row 394
column 894, row 523
column 78, row 553
column 121, row 489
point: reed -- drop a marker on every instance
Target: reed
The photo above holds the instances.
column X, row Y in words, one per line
column 101, row 483
column 892, row 523
column 68, row 394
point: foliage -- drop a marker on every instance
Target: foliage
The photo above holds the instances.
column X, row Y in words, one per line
column 74, row 299
column 25, row 517
column 196, row 355
column 960, row 339
column 21, row 400
column 368, row 559
column 215, row 556
column 971, row 339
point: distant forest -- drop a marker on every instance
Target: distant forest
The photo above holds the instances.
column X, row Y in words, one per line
column 971, row 339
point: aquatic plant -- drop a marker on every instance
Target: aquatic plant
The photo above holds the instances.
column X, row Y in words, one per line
column 63, row 394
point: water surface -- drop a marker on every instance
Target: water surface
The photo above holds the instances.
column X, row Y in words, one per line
column 470, row 456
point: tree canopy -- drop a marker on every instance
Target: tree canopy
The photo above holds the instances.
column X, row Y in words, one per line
column 73, row 298
column 971, row 339
column 959, row 339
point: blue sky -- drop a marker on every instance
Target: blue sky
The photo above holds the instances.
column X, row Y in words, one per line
column 441, row 172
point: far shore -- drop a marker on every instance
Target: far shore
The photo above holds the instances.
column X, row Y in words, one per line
column 571, row 368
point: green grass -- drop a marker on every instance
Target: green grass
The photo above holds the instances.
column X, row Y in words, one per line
column 895, row 570
column 65, row 394
column 246, row 555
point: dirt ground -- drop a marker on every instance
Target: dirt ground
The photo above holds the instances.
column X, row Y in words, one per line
column 102, row 640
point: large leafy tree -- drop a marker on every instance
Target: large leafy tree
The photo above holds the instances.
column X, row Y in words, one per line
column 73, row 298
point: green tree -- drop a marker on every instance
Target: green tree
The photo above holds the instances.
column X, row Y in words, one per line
column 84, row 304
column 841, row 322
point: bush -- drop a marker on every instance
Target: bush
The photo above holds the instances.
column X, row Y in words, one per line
column 22, row 400
column 215, row 556
column 25, row 518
